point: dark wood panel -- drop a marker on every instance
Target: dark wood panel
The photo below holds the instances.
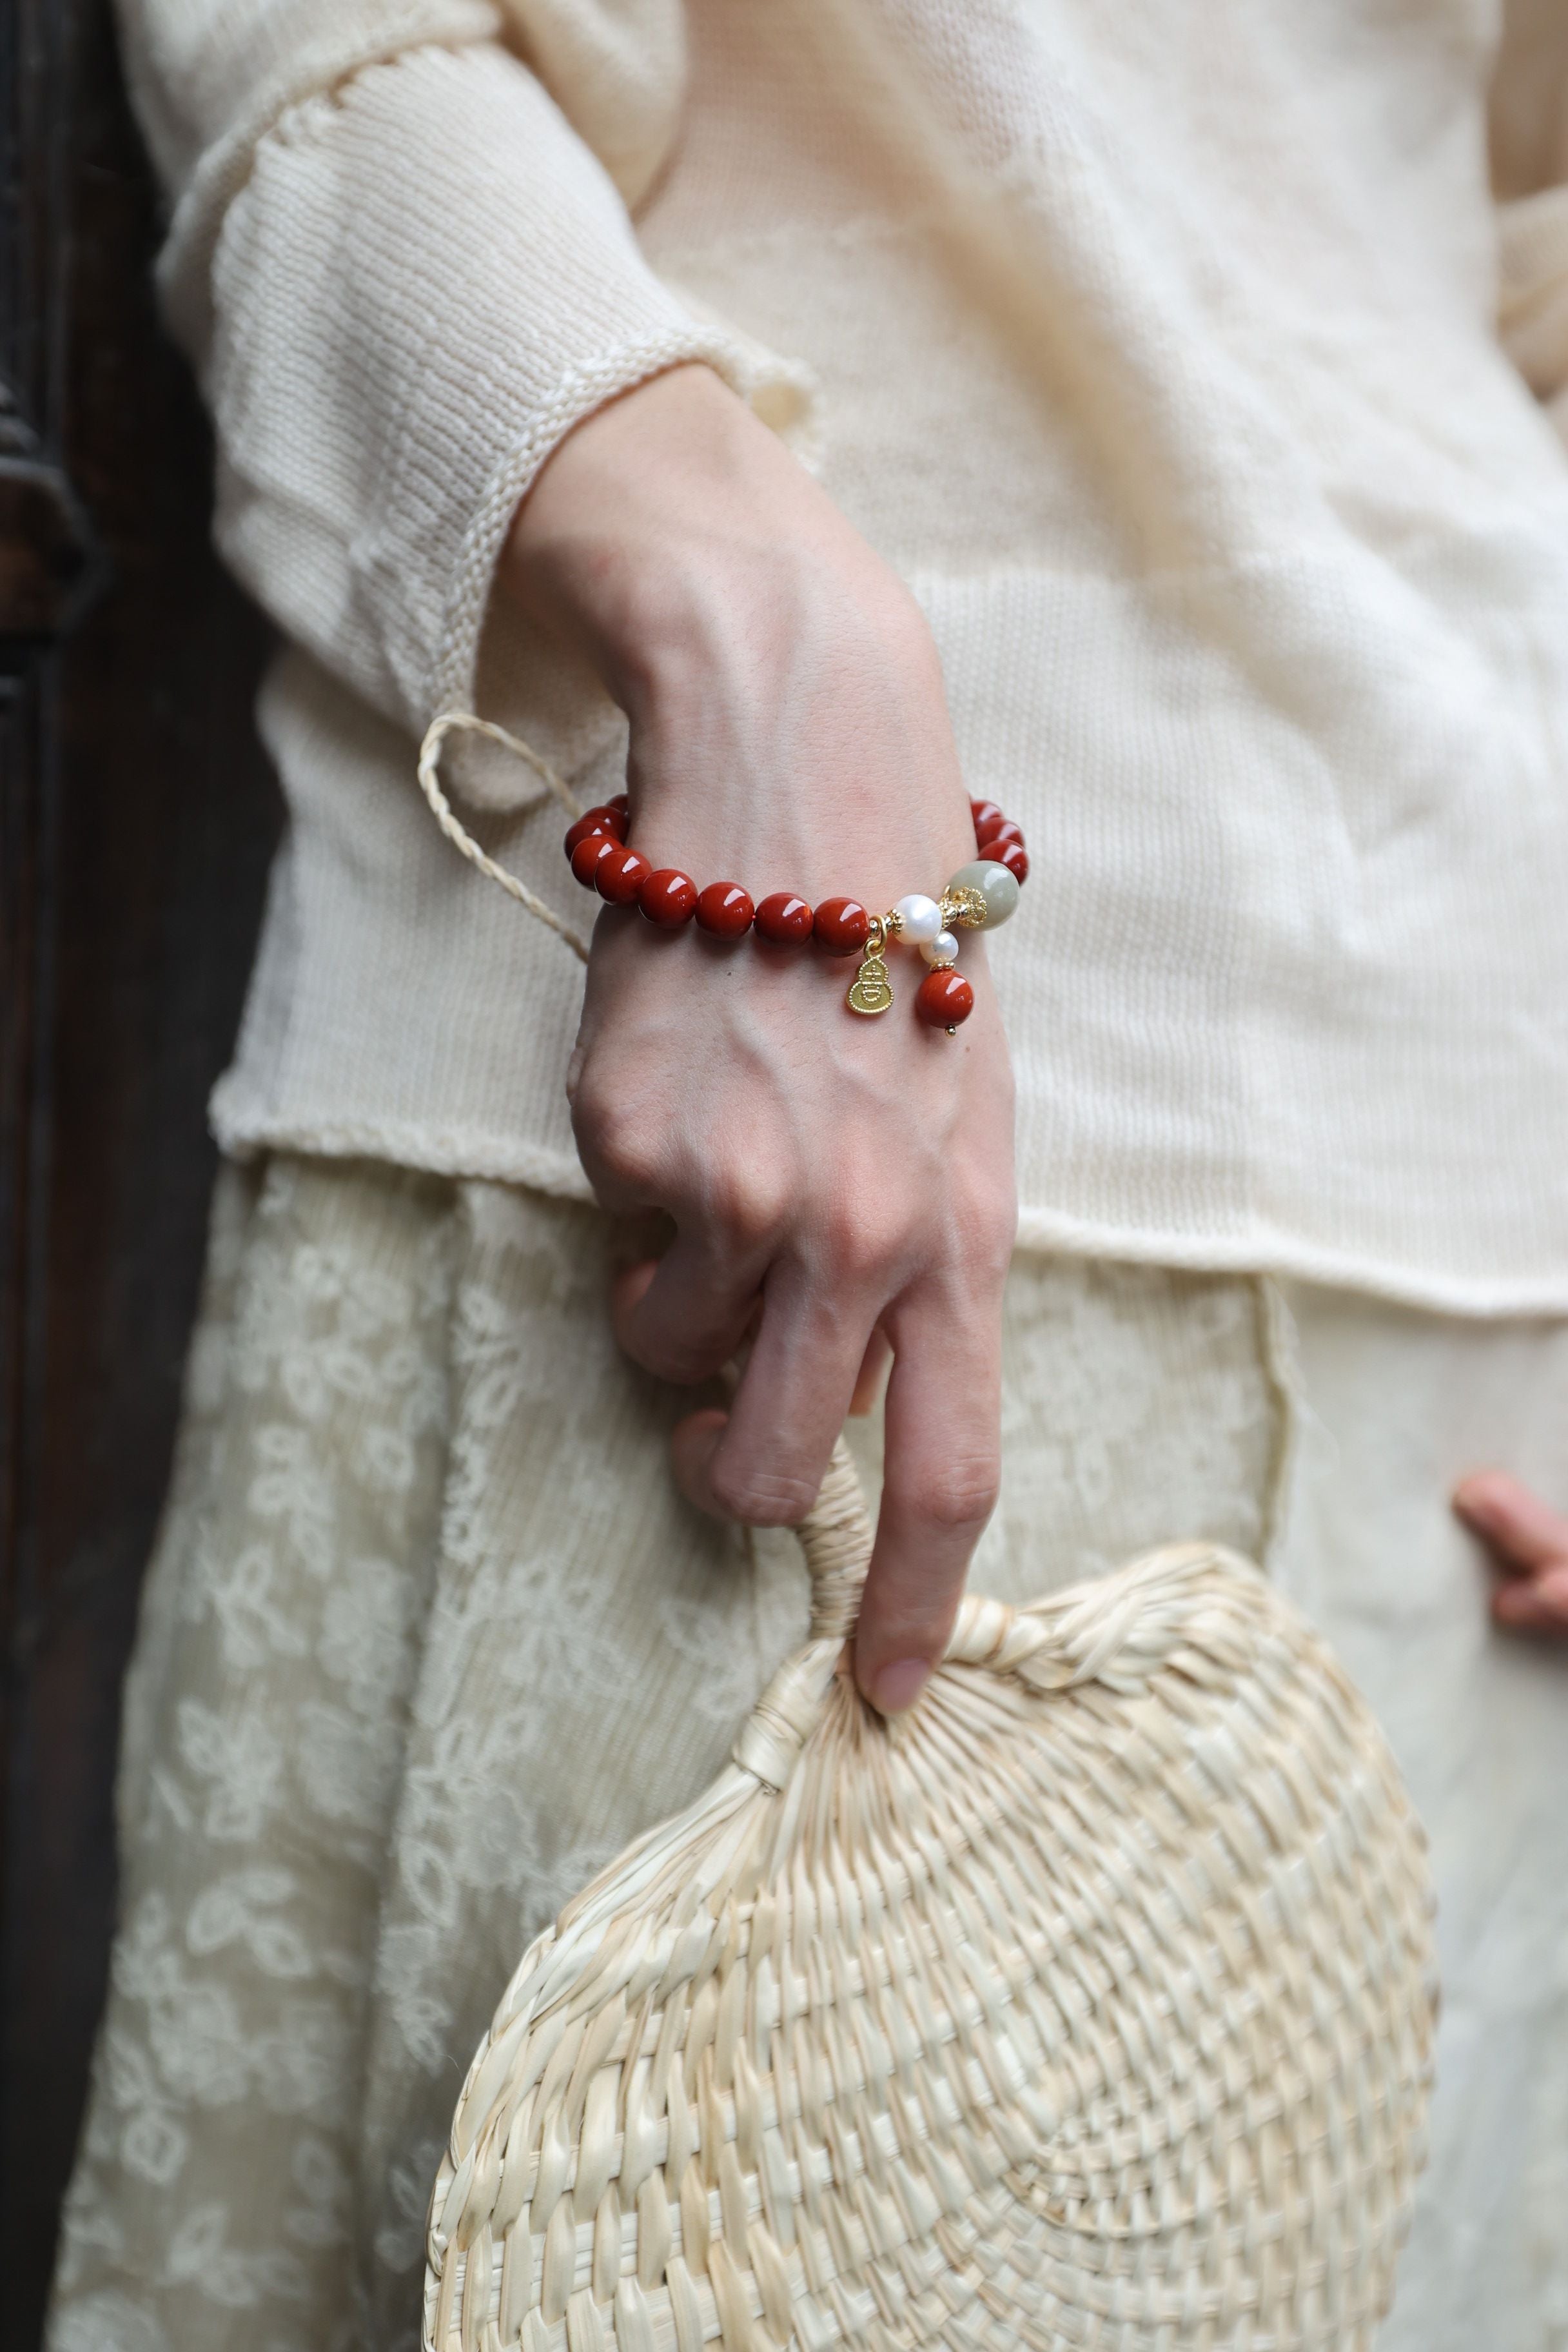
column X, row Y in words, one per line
column 136, row 823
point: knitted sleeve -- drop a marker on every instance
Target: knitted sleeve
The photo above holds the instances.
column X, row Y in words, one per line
column 1530, row 168
column 404, row 275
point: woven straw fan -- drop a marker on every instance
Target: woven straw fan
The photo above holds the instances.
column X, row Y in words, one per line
column 1089, row 2004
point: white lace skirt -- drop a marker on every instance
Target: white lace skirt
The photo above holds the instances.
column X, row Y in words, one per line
column 429, row 1636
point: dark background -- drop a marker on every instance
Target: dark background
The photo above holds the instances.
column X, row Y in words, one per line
column 137, row 816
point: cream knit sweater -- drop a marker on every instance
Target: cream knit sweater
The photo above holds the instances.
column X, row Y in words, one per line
column 1158, row 347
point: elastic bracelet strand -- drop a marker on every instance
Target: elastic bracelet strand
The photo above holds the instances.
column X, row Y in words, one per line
column 980, row 896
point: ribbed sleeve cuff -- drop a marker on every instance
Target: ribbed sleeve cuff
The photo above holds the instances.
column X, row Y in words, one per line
column 425, row 283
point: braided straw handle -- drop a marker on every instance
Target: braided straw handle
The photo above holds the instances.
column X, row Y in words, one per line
column 836, row 1536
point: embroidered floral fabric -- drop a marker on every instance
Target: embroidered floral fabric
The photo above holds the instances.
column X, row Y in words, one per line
column 427, row 1637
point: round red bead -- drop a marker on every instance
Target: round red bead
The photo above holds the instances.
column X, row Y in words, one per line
column 842, row 925
column 943, row 999
column 985, row 812
column 668, row 897
column 784, row 919
column 996, row 837
column 1015, row 857
column 621, row 802
column 724, row 910
column 620, row 874
column 596, row 820
column 589, row 851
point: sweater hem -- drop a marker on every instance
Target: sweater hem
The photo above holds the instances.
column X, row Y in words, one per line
column 477, row 1154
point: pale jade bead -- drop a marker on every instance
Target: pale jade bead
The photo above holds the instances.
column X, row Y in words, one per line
column 943, row 949
column 919, row 918
column 997, row 887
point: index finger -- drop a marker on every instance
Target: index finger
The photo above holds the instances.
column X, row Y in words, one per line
column 941, row 1471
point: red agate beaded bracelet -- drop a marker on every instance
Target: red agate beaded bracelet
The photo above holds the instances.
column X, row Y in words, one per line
column 980, row 896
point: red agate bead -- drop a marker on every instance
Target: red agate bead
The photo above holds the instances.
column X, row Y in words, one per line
column 589, row 851
column 997, row 836
column 724, row 910
column 621, row 802
column 943, row 999
column 985, row 812
column 596, row 820
column 1013, row 856
column 843, row 926
column 667, row 897
column 620, row 874
column 784, row 919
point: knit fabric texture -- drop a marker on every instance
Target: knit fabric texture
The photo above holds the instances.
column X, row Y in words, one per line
column 1191, row 369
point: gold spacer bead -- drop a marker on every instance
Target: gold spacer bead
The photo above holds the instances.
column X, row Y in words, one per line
column 965, row 908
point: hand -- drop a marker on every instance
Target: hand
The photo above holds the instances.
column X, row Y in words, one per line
column 1529, row 1542
column 839, row 1185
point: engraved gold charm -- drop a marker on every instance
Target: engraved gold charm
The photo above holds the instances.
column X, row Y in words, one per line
column 869, row 991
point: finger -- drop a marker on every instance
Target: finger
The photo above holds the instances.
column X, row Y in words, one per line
column 872, row 1377
column 1535, row 1604
column 1523, row 1531
column 683, row 1316
column 768, row 1462
column 940, row 1474
column 691, row 1444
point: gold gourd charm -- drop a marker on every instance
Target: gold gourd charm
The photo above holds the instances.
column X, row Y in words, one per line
column 870, row 990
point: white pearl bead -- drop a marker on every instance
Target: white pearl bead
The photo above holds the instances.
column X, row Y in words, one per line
column 941, row 950
column 919, row 918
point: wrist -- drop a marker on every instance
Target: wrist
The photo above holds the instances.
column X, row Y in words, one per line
column 671, row 535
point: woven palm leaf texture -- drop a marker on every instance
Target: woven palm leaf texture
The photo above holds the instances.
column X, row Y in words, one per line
column 1089, row 2004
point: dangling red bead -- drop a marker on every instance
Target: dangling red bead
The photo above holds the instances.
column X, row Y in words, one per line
column 784, row 919
column 943, row 999
column 586, row 855
column 724, row 910
column 842, row 925
column 620, row 874
column 668, row 897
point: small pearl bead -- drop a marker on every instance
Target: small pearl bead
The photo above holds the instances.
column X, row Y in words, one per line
column 943, row 949
column 919, row 918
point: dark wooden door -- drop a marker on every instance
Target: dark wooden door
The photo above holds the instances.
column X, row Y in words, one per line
column 136, row 822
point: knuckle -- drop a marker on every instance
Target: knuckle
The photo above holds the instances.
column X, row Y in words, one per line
column 761, row 1497
column 984, row 1227
column 682, row 1357
column 865, row 1240
column 747, row 1200
column 620, row 1145
column 956, row 1494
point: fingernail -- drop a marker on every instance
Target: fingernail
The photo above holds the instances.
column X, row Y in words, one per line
column 897, row 1686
